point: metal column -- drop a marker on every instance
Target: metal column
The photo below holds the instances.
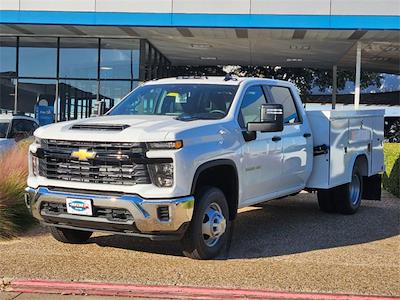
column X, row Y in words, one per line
column 358, row 77
column 334, row 86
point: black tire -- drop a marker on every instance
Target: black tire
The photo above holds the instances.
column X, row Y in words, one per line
column 70, row 236
column 195, row 244
column 348, row 196
column 326, row 200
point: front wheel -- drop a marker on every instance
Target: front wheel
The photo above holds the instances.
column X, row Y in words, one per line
column 209, row 229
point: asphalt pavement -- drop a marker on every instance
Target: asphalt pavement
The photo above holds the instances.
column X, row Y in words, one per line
column 284, row 245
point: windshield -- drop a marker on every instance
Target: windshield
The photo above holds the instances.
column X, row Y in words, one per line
column 191, row 101
column 3, row 128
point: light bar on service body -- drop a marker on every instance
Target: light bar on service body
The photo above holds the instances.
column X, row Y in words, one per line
column 165, row 145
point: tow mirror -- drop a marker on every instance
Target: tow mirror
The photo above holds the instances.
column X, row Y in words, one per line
column 271, row 119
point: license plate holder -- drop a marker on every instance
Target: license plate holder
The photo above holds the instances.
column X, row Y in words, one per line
column 76, row 206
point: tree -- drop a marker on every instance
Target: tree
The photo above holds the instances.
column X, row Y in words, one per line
column 304, row 78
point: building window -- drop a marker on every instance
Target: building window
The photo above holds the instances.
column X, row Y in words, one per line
column 37, row 57
column 7, row 94
column 119, row 59
column 31, row 91
column 78, row 58
column 8, row 57
column 73, row 73
column 77, row 99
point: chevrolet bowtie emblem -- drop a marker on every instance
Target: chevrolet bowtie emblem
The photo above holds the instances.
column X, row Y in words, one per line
column 83, row 154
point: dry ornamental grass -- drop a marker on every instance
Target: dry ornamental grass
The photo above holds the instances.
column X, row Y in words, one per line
column 14, row 216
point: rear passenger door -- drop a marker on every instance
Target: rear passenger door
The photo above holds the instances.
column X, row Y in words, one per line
column 294, row 139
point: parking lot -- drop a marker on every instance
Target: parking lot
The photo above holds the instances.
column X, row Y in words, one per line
column 287, row 244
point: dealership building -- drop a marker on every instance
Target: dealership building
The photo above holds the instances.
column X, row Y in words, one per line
column 75, row 53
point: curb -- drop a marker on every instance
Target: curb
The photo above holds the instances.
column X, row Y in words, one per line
column 167, row 292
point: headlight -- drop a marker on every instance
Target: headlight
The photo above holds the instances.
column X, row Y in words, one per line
column 162, row 175
column 165, row 145
column 35, row 165
column 38, row 141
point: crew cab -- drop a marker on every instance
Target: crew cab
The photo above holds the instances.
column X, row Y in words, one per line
column 177, row 158
column 14, row 128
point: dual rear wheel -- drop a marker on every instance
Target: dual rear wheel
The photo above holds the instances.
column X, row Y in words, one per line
column 344, row 199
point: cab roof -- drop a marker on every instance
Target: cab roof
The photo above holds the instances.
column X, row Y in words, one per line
column 231, row 80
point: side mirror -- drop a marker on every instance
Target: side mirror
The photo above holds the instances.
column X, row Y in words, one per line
column 271, row 119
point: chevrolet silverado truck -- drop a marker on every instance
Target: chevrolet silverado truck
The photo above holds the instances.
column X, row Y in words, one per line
column 177, row 158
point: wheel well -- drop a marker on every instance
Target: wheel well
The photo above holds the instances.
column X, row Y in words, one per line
column 362, row 163
column 222, row 176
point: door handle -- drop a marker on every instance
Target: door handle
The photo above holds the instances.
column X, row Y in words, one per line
column 307, row 135
column 276, row 138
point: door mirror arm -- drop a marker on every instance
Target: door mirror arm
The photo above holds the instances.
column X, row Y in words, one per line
column 249, row 135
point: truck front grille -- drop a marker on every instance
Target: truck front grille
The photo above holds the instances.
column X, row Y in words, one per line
column 93, row 162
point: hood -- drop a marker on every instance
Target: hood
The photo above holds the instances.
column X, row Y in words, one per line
column 118, row 128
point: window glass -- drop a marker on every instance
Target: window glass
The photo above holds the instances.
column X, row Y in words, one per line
column 7, row 94
column 191, row 101
column 21, row 128
column 37, row 57
column 282, row 95
column 119, row 59
column 8, row 56
column 3, row 128
column 78, row 58
column 251, row 105
column 30, row 91
column 77, row 99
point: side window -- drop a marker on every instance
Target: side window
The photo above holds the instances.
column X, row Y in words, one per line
column 251, row 104
column 282, row 95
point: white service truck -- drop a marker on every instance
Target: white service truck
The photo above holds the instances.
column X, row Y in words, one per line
column 177, row 158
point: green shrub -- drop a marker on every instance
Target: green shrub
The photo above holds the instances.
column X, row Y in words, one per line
column 14, row 216
column 391, row 177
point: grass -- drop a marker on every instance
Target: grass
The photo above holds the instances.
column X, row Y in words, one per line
column 14, row 216
column 391, row 177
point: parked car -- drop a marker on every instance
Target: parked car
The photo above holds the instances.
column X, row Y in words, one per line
column 176, row 158
column 14, row 128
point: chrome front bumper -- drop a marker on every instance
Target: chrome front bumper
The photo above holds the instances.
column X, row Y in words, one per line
column 144, row 211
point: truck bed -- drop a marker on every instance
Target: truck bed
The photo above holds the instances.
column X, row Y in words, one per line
column 346, row 135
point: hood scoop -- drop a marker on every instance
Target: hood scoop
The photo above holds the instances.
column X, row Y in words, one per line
column 104, row 127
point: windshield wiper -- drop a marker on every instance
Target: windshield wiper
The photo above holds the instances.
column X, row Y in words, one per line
column 194, row 117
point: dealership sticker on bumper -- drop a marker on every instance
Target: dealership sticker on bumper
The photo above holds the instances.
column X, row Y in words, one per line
column 79, row 206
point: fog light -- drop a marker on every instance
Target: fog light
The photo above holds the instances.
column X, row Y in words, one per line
column 162, row 175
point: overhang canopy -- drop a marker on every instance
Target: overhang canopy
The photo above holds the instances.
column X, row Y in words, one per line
column 314, row 48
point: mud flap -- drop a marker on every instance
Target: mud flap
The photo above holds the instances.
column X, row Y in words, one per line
column 372, row 187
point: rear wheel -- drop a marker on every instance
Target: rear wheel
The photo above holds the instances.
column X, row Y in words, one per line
column 70, row 236
column 348, row 196
column 210, row 225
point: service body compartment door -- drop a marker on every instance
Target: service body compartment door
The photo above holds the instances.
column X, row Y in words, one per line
column 339, row 158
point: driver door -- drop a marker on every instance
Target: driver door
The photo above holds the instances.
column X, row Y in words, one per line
column 262, row 157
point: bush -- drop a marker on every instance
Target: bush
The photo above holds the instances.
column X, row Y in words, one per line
column 14, row 216
column 391, row 177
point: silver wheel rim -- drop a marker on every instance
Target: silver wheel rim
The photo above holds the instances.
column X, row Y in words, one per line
column 355, row 187
column 214, row 224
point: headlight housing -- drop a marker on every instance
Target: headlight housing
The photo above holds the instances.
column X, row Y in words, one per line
column 38, row 141
column 35, row 165
column 162, row 174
